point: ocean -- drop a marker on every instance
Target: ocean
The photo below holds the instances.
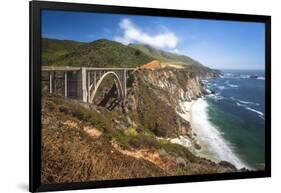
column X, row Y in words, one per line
column 234, row 116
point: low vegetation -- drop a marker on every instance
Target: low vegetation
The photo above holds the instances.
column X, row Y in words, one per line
column 81, row 143
column 100, row 53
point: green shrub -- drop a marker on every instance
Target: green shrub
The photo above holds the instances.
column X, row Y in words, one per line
column 144, row 141
column 131, row 132
column 84, row 114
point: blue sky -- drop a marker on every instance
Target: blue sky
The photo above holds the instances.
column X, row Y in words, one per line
column 214, row 43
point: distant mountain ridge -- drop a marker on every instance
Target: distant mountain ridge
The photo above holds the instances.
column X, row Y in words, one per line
column 108, row 53
column 165, row 56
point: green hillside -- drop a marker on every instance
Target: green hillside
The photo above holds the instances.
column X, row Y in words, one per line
column 100, row 53
column 164, row 56
column 53, row 49
column 107, row 53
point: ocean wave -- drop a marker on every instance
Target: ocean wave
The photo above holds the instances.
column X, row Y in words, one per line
column 247, row 102
column 249, row 76
column 216, row 96
column 244, row 76
column 228, row 75
column 209, row 135
column 245, row 105
column 221, row 87
column 233, row 85
column 242, row 102
column 260, row 114
column 205, row 81
column 241, row 76
column 238, row 104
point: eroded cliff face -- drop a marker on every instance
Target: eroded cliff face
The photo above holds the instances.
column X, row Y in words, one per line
column 155, row 95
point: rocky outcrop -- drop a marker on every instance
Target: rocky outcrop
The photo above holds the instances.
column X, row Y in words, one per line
column 154, row 98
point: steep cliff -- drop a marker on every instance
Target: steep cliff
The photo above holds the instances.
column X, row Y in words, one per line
column 155, row 95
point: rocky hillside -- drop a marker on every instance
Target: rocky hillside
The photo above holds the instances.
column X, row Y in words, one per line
column 80, row 143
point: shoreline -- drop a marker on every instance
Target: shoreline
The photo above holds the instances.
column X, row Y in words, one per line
column 212, row 144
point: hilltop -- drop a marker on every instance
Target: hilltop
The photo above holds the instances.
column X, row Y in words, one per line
column 99, row 53
column 107, row 53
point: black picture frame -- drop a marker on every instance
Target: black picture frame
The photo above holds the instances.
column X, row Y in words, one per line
column 35, row 94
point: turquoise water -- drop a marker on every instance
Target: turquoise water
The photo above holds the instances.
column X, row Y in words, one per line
column 237, row 110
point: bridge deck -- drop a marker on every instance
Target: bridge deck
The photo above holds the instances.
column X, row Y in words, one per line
column 69, row 68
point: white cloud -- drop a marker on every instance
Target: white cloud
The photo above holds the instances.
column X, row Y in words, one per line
column 133, row 34
column 176, row 51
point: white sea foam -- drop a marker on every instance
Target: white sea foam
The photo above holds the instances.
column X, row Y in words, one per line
column 208, row 90
column 210, row 137
column 238, row 104
column 244, row 76
column 233, row 85
column 261, row 78
column 243, row 103
column 185, row 107
column 205, row 81
column 260, row 114
column 184, row 141
column 247, row 102
column 228, row 74
column 216, row 96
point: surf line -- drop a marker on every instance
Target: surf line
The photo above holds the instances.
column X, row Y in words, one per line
column 214, row 146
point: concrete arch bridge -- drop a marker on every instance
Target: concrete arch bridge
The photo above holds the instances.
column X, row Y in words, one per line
column 82, row 83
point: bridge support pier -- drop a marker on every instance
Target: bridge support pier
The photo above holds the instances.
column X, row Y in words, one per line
column 82, row 85
column 125, row 83
column 50, row 82
column 65, row 84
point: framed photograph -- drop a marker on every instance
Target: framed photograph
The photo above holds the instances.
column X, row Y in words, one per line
column 126, row 96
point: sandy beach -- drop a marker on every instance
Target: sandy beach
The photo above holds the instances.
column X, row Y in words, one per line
column 205, row 134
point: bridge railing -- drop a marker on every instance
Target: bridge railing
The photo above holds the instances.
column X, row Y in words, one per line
column 70, row 68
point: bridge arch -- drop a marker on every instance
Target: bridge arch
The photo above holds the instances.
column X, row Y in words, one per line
column 117, row 83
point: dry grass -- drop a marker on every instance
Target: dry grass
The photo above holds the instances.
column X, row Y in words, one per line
column 72, row 151
column 76, row 149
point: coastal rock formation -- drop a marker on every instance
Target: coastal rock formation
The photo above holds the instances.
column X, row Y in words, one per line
column 156, row 93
